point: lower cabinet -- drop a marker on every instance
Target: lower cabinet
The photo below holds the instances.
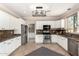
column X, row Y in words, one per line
column 54, row 38
column 73, row 47
column 39, row 39
column 7, row 47
column 63, row 42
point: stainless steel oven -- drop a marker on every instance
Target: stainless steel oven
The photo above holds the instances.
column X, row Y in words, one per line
column 46, row 27
column 46, row 38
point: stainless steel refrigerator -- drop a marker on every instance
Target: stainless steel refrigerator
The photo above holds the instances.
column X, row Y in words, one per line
column 23, row 34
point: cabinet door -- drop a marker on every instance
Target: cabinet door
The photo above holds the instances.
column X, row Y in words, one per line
column 39, row 25
column 18, row 42
column 59, row 41
column 12, row 22
column 4, row 20
column 39, row 39
column 12, row 45
column 64, row 43
column 5, row 47
column 54, row 38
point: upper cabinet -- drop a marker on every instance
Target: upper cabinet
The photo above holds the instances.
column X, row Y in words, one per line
column 4, row 20
column 17, row 25
column 54, row 24
column 9, row 22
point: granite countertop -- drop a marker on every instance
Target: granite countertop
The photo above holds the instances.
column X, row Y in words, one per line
column 75, row 39
column 7, row 38
column 72, row 37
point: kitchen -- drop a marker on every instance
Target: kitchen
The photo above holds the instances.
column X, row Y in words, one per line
column 19, row 28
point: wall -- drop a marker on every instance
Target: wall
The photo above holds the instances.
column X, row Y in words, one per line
column 9, row 22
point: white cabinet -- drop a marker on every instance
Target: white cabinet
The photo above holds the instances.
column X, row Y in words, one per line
column 18, row 42
column 54, row 24
column 59, row 40
column 8, row 22
column 54, row 38
column 7, row 47
column 12, row 22
column 17, row 25
column 4, row 20
column 3, row 48
column 38, row 25
column 63, row 42
column 39, row 39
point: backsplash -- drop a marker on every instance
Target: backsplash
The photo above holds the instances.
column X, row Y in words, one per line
column 6, row 33
column 52, row 31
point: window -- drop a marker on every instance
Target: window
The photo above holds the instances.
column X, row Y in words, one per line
column 72, row 22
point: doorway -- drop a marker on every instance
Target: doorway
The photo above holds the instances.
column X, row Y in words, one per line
column 31, row 33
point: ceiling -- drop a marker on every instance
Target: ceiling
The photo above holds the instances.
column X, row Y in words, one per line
column 25, row 9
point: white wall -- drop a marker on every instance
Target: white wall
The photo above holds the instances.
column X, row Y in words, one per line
column 8, row 22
